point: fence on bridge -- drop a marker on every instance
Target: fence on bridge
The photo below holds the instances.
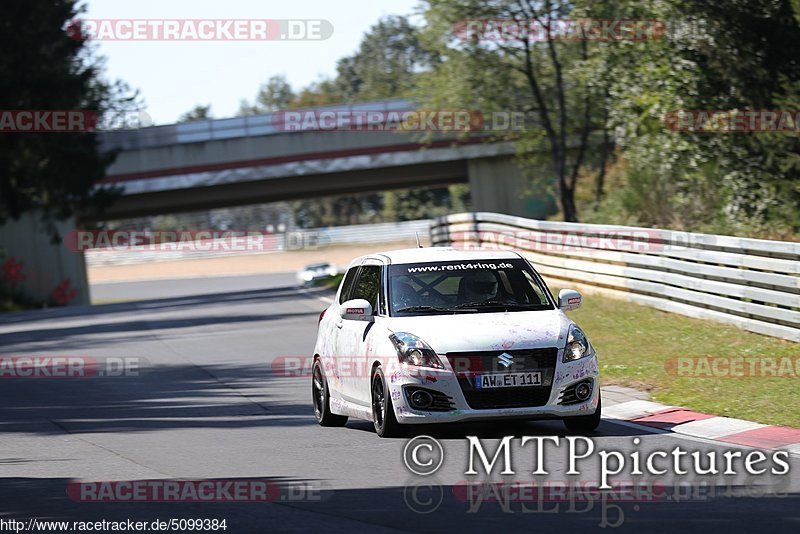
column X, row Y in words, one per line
column 201, row 131
column 752, row 283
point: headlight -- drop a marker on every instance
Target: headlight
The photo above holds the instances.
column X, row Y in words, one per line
column 307, row 276
column 577, row 345
column 413, row 351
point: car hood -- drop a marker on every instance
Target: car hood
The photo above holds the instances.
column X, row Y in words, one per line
column 487, row 331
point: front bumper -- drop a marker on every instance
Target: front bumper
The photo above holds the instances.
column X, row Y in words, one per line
column 444, row 382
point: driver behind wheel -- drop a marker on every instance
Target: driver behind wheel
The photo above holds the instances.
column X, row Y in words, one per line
column 479, row 287
column 403, row 295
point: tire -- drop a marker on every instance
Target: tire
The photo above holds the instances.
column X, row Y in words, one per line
column 386, row 425
column 321, row 398
column 584, row 424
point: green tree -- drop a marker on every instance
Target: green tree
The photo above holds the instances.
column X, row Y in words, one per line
column 387, row 62
column 321, row 93
column 45, row 67
column 423, row 203
column 197, row 113
column 274, row 95
column 732, row 55
column 755, row 69
column 543, row 78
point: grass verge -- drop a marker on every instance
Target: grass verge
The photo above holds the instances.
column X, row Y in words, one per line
column 636, row 343
column 332, row 282
column 13, row 302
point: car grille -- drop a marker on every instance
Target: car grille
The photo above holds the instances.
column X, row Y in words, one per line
column 468, row 364
column 505, row 397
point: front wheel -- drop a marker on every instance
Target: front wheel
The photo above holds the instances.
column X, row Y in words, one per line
column 386, row 425
column 322, row 398
column 585, row 423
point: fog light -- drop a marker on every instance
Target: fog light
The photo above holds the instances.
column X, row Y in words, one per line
column 421, row 399
column 583, row 391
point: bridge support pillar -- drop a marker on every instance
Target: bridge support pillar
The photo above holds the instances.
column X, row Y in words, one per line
column 44, row 265
column 498, row 185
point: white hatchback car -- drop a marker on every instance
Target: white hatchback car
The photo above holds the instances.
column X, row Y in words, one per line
column 316, row 271
column 440, row 335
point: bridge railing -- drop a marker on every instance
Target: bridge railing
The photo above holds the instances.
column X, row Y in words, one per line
column 752, row 283
column 234, row 127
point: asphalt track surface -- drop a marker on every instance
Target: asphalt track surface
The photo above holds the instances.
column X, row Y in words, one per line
column 210, row 402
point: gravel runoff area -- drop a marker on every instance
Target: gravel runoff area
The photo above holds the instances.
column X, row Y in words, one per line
column 277, row 262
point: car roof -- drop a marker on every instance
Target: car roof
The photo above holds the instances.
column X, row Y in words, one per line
column 434, row 254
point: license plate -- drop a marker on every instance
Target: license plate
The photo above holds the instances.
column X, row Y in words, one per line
column 508, row 380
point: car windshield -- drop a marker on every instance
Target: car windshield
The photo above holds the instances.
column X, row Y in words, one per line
column 317, row 266
column 484, row 286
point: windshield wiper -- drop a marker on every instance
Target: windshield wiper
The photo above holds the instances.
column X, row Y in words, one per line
column 498, row 304
column 424, row 309
column 525, row 306
column 486, row 304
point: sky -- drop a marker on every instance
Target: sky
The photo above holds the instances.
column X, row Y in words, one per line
column 174, row 76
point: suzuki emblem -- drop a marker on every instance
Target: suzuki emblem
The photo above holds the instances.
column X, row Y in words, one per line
column 506, row 359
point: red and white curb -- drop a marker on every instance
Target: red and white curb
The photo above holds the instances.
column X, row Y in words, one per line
column 702, row 425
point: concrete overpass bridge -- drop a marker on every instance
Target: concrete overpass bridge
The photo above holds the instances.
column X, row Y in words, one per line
column 248, row 160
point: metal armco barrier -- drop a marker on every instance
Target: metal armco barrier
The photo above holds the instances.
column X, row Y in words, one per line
column 752, row 283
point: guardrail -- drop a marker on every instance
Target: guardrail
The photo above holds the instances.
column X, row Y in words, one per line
column 752, row 283
column 260, row 244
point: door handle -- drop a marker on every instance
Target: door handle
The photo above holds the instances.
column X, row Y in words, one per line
column 339, row 323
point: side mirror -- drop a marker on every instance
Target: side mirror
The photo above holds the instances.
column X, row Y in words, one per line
column 569, row 299
column 357, row 310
